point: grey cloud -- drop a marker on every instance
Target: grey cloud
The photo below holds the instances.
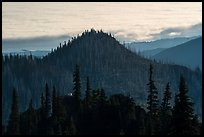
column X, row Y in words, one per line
column 117, row 31
column 132, row 35
column 124, row 35
column 35, row 39
column 191, row 31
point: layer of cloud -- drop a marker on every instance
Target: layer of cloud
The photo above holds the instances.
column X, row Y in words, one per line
column 190, row 31
column 157, row 33
column 35, row 39
column 124, row 35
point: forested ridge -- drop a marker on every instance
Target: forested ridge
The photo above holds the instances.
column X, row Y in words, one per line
column 101, row 57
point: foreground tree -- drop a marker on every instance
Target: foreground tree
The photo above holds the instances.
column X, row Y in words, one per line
column 42, row 116
column 184, row 120
column 77, row 84
column 29, row 121
column 14, row 119
column 88, row 94
column 47, row 101
column 166, row 111
column 54, row 102
column 152, row 105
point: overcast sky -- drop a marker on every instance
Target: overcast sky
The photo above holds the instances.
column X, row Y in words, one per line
column 127, row 21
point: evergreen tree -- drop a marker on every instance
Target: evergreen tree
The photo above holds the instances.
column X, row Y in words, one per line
column 152, row 105
column 95, row 97
column 165, row 106
column 102, row 98
column 131, row 108
column 58, row 105
column 54, row 102
column 184, row 119
column 31, row 120
column 42, row 109
column 60, row 116
column 14, row 119
column 166, row 111
column 61, row 111
column 42, row 117
column 77, row 84
column 88, row 92
column 131, row 121
column 141, row 121
column 56, row 115
column 47, row 101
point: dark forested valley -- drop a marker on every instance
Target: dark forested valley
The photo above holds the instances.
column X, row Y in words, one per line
column 111, row 90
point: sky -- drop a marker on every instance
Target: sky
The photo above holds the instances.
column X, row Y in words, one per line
column 127, row 21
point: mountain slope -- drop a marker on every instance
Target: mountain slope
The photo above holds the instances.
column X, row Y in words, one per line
column 108, row 64
column 149, row 53
column 188, row 54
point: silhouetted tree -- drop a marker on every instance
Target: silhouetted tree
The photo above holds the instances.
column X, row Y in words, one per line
column 102, row 98
column 61, row 112
column 47, row 101
column 152, row 102
column 184, row 119
column 77, row 84
column 166, row 112
column 14, row 119
column 31, row 120
column 95, row 97
column 42, row 99
column 54, row 102
column 88, row 93
column 42, row 116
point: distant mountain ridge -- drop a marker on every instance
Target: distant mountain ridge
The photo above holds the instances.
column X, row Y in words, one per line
column 36, row 53
column 149, row 53
column 161, row 43
column 188, row 54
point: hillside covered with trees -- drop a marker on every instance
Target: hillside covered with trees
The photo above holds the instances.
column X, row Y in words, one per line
column 108, row 64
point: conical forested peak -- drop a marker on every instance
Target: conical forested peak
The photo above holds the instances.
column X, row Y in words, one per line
column 93, row 47
column 89, row 37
